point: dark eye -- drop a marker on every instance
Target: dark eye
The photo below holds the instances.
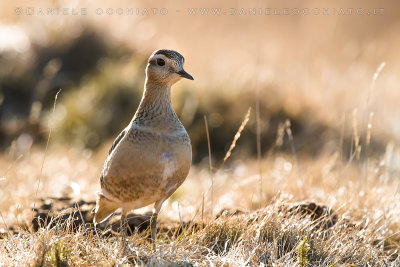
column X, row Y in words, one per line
column 160, row 62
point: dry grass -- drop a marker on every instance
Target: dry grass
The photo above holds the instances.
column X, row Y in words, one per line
column 313, row 68
column 270, row 236
column 365, row 201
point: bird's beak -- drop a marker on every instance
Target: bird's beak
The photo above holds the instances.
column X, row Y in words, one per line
column 186, row 75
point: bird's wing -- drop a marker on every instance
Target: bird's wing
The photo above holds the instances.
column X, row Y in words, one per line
column 135, row 152
column 117, row 141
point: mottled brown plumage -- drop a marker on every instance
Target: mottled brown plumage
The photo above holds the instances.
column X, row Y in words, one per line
column 151, row 157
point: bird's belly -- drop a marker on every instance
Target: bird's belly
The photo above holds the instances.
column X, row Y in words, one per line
column 139, row 177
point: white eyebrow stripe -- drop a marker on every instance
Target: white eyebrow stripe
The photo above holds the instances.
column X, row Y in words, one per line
column 159, row 56
column 176, row 61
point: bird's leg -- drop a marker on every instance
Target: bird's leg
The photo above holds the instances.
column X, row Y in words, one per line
column 153, row 227
column 123, row 228
column 153, row 222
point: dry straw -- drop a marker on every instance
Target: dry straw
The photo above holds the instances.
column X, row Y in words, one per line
column 258, row 124
column 211, row 167
column 45, row 153
column 237, row 136
column 374, row 78
column 369, row 129
column 227, row 155
column 356, row 136
column 367, row 111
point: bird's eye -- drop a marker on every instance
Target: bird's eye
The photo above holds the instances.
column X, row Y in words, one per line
column 160, row 62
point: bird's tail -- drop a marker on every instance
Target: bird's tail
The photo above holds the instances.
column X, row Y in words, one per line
column 104, row 208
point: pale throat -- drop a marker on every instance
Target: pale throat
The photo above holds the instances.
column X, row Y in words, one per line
column 156, row 99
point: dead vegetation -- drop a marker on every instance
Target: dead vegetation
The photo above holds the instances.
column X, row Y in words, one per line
column 324, row 190
column 353, row 221
column 280, row 234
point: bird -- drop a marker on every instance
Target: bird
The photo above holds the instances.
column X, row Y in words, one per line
column 152, row 156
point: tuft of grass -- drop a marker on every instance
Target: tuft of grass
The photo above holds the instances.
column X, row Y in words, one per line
column 58, row 253
column 302, row 249
column 222, row 235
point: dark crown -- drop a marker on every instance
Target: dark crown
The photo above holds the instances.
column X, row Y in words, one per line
column 170, row 54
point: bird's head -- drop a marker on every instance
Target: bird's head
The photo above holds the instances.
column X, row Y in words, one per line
column 165, row 67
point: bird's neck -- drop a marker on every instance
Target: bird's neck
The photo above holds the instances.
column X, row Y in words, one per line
column 156, row 100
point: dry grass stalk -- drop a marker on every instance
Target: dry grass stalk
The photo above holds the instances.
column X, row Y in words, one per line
column 374, row 78
column 210, row 165
column 367, row 111
column 202, row 211
column 208, row 143
column 259, row 146
column 280, row 134
column 356, row 136
column 291, row 141
column 45, row 153
column 369, row 129
column 237, row 136
column 342, row 132
column 4, row 176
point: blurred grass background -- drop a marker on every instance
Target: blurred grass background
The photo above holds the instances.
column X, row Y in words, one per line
column 315, row 71
column 312, row 69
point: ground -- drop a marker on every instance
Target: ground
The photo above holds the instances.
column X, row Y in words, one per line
column 345, row 212
column 313, row 179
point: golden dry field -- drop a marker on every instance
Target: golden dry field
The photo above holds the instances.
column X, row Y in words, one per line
column 301, row 102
